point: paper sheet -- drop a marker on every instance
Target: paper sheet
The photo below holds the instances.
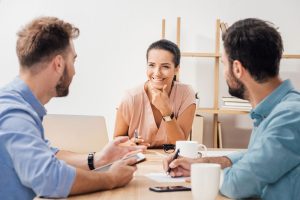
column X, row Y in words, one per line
column 217, row 153
column 164, row 178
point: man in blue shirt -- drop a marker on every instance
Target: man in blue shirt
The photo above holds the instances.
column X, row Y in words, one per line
column 270, row 168
column 29, row 167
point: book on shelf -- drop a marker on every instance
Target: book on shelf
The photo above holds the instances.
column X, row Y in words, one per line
column 233, row 103
column 240, row 104
column 241, row 108
column 234, row 99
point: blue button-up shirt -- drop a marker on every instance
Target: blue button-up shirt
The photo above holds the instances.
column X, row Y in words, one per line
column 28, row 166
column 270, row 169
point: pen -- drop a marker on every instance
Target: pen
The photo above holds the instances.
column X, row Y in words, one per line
column 136, row 137
column 175, row 157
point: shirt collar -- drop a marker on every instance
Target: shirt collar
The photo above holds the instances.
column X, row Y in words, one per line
column 264, row 108
column 27, row 94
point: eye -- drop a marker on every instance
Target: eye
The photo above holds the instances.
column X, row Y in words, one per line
column 166, row 66
column 151, row 65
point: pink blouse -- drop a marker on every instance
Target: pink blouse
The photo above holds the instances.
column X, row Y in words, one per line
column 137, row 113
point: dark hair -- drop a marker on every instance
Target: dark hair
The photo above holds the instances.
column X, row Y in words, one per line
column 42, row 39
column 257, row 45
column 168, row 46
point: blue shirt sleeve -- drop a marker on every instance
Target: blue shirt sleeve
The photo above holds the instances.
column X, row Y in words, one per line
column 236, row 156
column 274, row 153
column 34, row 161
column 53, row 149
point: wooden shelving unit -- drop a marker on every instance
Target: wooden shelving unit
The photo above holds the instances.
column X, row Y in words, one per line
column 216, row 55
column 221, row 111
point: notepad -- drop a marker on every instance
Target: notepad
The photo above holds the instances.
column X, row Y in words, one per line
column 164, row 178
column 218, row 153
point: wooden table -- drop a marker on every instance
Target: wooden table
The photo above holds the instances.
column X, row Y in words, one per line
column 138, row 188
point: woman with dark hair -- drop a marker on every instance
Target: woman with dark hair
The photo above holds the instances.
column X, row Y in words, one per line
column 161, row 110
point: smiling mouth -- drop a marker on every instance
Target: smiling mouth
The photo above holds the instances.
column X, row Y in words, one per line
column 158, row 80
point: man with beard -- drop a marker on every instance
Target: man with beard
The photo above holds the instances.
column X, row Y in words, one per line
column 270, row 168
column 29, row 167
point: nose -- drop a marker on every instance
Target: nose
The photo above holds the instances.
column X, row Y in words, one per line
column 157, row 71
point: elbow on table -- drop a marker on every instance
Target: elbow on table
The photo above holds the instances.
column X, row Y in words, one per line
column 237, row 190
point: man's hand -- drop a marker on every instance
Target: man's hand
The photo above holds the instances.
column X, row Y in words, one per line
column 182, row 165
column 118, row 175
column 179, row 167
column 115, row 150
column 122, row 172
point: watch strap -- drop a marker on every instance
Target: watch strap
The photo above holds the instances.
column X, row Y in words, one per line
column 91, row 160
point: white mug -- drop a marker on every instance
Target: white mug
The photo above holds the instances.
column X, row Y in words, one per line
column 205, row 180
column 190, row 149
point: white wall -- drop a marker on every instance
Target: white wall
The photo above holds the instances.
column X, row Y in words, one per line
column 114, row 38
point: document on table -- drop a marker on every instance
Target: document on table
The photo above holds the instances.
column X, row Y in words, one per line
column 164, row 178
column 217, row 153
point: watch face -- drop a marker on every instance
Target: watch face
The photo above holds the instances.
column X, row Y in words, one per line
column 168, row 118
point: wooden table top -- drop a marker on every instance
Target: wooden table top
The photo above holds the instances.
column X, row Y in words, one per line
column 138, row 188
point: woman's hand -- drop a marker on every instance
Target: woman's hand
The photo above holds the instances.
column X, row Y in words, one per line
column 138, row 141
column 160, row 99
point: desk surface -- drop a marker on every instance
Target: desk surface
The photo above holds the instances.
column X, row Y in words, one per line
column 138, row 188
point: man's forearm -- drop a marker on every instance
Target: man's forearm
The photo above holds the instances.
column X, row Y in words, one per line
column 222, row 160
column 75, row 159
column 87, row 181
column 79, row 160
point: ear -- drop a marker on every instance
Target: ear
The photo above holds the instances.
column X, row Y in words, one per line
column 59, row 64
column 238, row 69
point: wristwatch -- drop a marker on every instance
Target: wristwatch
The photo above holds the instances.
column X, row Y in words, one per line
column 91, row 160
column 168, row 117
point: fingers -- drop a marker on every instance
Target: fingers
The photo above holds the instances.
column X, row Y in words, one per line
column 132, row 153
column 120, row 139
column 167, row 160
column 145, row 144
column 122, row 171
column 179, row 162
column 181, row 167
column 179, row 171
column 128, row 165
column 137, row 140
column 166, row 163
column 130, row 161
column 153, row 90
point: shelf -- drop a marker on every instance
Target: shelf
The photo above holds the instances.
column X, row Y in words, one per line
column 291, row 56
column 213, row 55
column 204, row 55
column 221, row 111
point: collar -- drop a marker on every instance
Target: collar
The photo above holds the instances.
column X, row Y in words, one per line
column 264, row 108
column 29, row 97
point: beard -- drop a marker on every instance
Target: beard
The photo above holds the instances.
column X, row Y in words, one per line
column 239, row 89
column 62, row 87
